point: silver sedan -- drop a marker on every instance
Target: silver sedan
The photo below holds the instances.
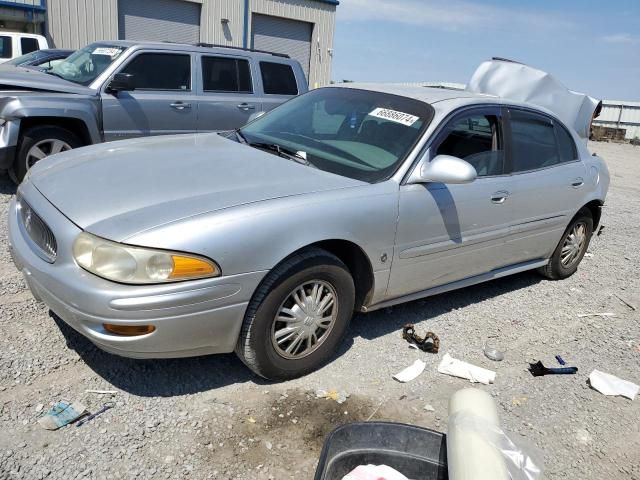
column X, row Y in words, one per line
column 264, row 241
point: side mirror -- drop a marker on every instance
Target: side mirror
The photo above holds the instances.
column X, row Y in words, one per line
column 122, row 82
column 443, row 169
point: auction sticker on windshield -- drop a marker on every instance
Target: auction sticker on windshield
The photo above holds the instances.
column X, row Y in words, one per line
column 394, row 116
column 110, row 52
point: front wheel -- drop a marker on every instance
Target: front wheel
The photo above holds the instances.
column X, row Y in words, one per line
column 40, row 142
column 298, row 316
column 571, row 249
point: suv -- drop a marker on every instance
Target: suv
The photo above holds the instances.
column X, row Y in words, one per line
column 15, row 44
column 118, row 89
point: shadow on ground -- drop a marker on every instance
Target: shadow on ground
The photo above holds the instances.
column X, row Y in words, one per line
column 7, row 187
column 170, row 377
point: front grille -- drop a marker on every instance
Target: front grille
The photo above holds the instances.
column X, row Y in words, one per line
column 38, row 231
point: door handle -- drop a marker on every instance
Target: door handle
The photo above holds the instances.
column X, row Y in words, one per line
column 500, row 197
column 578, row 182
column 180, row 105
column 246, row 106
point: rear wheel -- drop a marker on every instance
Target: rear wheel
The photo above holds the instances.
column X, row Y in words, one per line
column 571, row 249
column 40, row 142
column 298, row 316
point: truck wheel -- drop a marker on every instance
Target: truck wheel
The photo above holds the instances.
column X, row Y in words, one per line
column 40, row 142
column 572, row 247
column 297, row 316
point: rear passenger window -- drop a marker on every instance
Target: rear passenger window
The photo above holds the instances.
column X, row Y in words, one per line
column 160, row 71
column 533, row 142
column 278, row 79
column 566, row 145
column 29, row 45
column 476, row 138
column 6, row 50
column 222, row 74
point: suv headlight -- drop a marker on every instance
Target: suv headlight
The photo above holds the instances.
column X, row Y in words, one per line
column 138, row 265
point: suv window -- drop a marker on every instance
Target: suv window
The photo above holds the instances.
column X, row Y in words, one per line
column 534, row 142
column 6, row 49
column 160, row 71
column 476, row 138
column 566, row 145
column 29, row 45
column 278, row 79
column 221, row 74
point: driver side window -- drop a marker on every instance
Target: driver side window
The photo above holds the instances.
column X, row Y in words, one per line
column 476, row 138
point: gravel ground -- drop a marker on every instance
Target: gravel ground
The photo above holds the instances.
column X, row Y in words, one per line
column 209, row 417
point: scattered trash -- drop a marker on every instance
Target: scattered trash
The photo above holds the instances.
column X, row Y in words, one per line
column 88, row 418
column 102, row 392
column 588, row 255
column 39, row 407
column 492, row 353
column 608, row 384
column 600, row 230
column 410, row 372
column 429, row 408
column 413, row 346
column 336, row 396
column 517, row 402
column 539, row 370
column 458, row 368
column 630, row 305
column 251, row 420
column 560, row 360
column 61, row 414
column 429, row 343
column 374, row 472
column 402, row 397
column 604, row 314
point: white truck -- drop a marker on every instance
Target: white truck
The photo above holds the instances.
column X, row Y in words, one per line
column 15, row 44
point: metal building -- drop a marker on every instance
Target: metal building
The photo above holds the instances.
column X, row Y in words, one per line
column 620, row 114
column 303, row 29
column 27, row 16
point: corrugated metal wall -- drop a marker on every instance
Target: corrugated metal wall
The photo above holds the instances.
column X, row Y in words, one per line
column 621, row 115
column 74, row 23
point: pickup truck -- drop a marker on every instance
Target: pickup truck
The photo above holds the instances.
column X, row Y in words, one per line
column 121, row 89
column 15, row 44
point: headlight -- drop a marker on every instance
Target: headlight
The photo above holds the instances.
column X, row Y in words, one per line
column 138, row 265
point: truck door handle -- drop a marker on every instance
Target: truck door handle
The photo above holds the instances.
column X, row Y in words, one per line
column 578, row 182
column 246, row 106
column 499, row 197
column 180, row 105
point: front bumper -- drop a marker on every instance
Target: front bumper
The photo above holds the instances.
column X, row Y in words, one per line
column 191, row 318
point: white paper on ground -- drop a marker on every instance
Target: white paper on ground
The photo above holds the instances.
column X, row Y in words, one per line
column 611, row 385
column 410, row 372
column 374, row 472
column 458, row 368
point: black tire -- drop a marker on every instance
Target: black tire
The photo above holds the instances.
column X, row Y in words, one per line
column 34, row 135
column 555, row 269
column 255, row 346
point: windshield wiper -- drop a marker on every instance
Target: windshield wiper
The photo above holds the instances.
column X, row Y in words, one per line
column 51, row 72
column 241, row 136
column 283, row 152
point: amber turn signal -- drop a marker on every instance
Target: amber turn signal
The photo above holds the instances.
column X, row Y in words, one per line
column 187, row 267
column 128, row 330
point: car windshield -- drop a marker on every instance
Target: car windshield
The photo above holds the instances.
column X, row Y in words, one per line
column 29, row 57
column 85, row 65
column 359, row 134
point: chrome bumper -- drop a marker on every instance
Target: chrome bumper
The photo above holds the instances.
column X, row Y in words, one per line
column 190, row 318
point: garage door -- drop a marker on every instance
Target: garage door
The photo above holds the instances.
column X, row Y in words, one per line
column 159, row 20
column 282, row 35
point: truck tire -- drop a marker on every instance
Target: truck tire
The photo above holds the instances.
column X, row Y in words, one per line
column 39, row 142
column 297, row 316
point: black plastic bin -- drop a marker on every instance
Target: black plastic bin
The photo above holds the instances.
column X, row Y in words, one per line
column 418, row 453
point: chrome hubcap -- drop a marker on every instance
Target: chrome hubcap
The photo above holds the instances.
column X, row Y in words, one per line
column 304, row 319
column 573, row 244
column 44, row 148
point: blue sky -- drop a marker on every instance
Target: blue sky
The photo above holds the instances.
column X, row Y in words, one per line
column 591, row 46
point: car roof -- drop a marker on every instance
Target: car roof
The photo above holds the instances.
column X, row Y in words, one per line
column 446, row 97
column 195, row 48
